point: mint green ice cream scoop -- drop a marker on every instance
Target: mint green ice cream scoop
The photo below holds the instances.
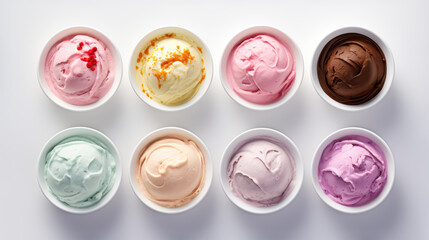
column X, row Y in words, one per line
column 80, row 171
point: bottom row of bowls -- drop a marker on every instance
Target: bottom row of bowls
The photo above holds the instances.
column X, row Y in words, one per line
column 171, row 170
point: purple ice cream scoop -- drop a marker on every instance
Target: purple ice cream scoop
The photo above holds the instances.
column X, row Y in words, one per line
column 352, row 170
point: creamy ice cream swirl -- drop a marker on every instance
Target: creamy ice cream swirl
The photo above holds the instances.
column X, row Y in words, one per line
column 170, row 69
column 79, row 171
column 70, row 75
column 351, row 69
column 171, row 171
column 261, row 69
column 261, row 172
column 352, row 170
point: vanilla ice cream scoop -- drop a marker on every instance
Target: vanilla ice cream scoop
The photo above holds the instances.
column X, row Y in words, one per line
column 79, row 171
column 171, row 171
column 261, row 172
column 170, row 69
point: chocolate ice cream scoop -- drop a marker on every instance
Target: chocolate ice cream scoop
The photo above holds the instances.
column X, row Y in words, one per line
column 351, row 69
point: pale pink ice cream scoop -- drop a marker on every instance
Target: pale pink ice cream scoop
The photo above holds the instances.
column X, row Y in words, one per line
column 79, row 70
column 261, row 69
column 352, row 170
column 261, row 172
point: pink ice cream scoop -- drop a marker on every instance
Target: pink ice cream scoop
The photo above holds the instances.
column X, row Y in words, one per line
column 261, row 172
column 261, row 69
column 79, row 70
column 352, row 170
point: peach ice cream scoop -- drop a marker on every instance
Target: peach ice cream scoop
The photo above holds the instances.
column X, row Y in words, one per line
column 171, row 171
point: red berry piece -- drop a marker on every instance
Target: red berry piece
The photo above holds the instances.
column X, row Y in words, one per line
column 94, row 49
column 89, row 65
column 93, row 68
column 81, row 44
column 79, row 48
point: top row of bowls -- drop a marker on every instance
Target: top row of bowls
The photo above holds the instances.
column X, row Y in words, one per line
column 357, row 76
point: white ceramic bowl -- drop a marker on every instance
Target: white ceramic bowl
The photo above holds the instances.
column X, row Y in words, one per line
column 390, row 69
column 66, row 133
column 149, row 138
column 238, row 142
column 208, row 61
column 251, row 32
column 390, row 168
column 73, row 31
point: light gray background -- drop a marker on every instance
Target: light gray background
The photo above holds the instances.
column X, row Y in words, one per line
column 28, row 119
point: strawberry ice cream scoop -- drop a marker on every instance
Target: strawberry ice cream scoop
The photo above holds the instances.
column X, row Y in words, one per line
column 352, row 170
column 261, row 69
column 79, row 70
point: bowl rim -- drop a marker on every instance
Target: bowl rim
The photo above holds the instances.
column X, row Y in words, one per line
column 390, row 68
column 208, row 62
column 58, row 137
column 288, row 143
column 282, row 36
column 63, row 33
column 389, row 162
column 152, row 136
